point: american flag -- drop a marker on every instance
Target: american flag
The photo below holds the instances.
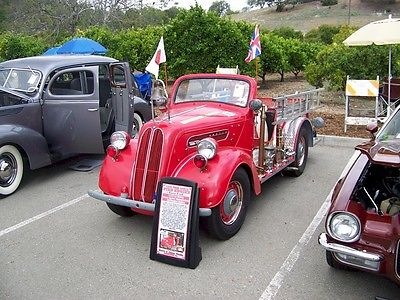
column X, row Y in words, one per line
column 255, row 46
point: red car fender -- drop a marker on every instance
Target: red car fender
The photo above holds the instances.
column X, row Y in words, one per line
column 214, row 179
column 116, row 173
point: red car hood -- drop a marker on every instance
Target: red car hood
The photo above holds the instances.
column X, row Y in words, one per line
column 382, row 152
column 202, row 116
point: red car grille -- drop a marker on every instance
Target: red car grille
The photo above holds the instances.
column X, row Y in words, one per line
column 147, row 165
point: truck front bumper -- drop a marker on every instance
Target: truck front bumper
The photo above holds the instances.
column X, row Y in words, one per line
column 203, row 212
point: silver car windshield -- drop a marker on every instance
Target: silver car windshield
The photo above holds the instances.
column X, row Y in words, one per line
column 221, row 90
column 392, row 129
column 24, row 80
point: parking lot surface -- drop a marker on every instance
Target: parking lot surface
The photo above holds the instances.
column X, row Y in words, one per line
column 58, row 243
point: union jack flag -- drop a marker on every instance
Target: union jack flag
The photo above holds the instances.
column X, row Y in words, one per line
column 255, row 46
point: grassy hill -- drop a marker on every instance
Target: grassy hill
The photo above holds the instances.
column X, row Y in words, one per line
column 307, row 16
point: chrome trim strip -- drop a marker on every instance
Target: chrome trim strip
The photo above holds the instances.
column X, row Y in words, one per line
column 322, row 240
column 203, row 212
column 153, row 133
column 146, row 165
column 397, row 264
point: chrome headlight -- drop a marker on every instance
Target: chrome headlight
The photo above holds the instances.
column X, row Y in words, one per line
column 344, row 227
column 120, row 139
column 207, row 147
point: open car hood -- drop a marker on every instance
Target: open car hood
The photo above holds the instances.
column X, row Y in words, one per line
column 382, row 152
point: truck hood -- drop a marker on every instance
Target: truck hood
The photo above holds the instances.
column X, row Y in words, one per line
column 382, row 152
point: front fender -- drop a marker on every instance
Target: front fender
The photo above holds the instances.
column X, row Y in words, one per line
column 213, row 181
column 116, row 173
column 30, row 141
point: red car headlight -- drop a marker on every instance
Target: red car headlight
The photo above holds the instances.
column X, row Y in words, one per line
column 120, row 139
column 344, row 227
column 207, row 147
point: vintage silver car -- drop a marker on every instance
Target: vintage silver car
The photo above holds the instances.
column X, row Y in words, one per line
column 53, row 107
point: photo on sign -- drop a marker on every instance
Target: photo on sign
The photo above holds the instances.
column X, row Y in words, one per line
column 171, row 240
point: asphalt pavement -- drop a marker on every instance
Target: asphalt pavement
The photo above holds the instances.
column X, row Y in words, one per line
column 58, row 243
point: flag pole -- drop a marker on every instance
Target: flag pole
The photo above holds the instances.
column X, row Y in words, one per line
column 165, row 75
column 256, row 69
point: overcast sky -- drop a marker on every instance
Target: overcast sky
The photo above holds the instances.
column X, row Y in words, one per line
column 235, row 4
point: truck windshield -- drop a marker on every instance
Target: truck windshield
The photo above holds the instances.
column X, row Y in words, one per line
column 24, row 80
column 222, row 90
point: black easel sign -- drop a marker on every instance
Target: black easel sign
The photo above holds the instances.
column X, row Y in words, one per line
column 175, row 236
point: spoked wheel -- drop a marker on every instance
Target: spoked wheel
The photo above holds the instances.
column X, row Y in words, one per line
column 11, row 169
column 301, row 155
column 137, row 124
column 227, row 218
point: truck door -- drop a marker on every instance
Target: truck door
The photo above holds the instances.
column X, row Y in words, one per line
column 122, row 96
column 71, row 118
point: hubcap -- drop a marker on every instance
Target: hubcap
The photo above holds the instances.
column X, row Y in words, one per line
column 301, row 150
column 8, row 169
column 232, row 204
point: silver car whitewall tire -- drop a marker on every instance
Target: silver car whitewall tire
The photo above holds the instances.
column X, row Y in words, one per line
column 11, row 169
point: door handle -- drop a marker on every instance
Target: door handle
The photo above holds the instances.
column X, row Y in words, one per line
column 93, row 109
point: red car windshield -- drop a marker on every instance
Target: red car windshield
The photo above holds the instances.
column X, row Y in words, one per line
column 222, row 90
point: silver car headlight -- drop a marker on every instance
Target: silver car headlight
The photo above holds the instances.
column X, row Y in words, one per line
column 207, row 147
column 120, row 139
column 344, row 227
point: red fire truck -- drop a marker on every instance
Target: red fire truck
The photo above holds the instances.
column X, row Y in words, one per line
column 216, row 132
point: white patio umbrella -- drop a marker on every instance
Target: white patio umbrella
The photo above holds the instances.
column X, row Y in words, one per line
column 383, row 32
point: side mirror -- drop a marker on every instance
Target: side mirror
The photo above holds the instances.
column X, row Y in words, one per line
column 318, row 122
column 372, row 128
column 255, row 105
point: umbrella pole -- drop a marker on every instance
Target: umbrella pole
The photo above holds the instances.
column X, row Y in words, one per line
column 389, row 110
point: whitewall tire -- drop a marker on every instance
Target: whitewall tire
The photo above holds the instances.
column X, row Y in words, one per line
column 11, row 169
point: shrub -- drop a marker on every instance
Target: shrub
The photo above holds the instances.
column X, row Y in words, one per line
column 323, row 34
column 288, row 32
column 329, row 2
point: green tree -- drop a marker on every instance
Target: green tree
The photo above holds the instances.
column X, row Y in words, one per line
column 196, row 41
column 19, row 45
column 221, row 8
column 258, row 3
column 334, row 62
column 323, row 34
column 274, row 57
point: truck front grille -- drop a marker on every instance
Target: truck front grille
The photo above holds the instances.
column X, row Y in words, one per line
column 147, row 165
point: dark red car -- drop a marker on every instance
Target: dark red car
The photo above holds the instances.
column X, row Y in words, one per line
column 363, row 222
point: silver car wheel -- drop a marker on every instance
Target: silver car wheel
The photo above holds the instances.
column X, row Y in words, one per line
column 11, row 169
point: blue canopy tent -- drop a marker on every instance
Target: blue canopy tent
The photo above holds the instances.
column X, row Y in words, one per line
column 78, row 46
column 51, row 51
